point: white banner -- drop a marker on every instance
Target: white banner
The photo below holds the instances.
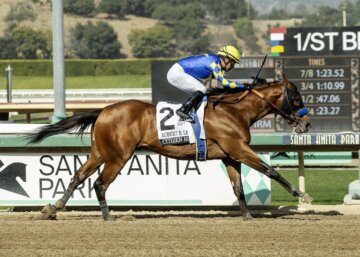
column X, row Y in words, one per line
column 147, row 179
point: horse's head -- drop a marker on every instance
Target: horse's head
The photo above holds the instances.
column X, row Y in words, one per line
column 293, row 107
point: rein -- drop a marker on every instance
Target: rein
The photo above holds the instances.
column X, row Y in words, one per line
column 278, row 110
column 237, row 100
column 260, row 95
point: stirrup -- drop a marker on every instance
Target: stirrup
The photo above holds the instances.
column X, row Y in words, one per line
column 184, row 116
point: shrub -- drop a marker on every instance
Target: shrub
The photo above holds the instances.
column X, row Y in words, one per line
column 78, row 67
column 79, row 7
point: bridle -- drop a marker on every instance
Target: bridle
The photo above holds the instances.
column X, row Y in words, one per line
column 287, row 115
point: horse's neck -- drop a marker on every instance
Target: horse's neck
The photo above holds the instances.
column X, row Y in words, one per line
column 252, row 106
column 272, row 92
column 272, row 96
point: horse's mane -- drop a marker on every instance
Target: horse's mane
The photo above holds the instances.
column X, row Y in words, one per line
column 219, row 91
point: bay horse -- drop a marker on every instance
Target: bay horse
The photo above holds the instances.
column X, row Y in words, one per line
column 121, row 128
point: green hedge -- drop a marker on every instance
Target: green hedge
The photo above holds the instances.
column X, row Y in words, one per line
column 76, row 67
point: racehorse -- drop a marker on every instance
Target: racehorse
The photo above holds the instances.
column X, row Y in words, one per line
column 121, row 128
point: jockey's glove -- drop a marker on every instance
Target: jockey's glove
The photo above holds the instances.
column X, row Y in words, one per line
column 248, row 86
column 244, row 86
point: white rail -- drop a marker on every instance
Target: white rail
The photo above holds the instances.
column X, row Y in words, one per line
column 45, row 95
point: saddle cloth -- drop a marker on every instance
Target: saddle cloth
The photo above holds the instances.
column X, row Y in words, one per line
column 172, row 130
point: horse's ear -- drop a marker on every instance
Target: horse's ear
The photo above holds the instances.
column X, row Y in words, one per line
column 288, row 83
column 285, row 78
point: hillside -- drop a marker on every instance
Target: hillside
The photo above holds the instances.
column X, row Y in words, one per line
column 44, row 21
column 264, row 6
column 221, row 34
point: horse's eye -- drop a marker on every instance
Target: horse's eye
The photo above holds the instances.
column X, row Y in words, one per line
column 297, row 100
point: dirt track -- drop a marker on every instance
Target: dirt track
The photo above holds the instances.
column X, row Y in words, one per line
column 315, row 232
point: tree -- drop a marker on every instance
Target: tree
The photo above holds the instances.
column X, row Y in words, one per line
column 243, row 27
column 95, row 41
column 135, row 7
column 150, row 6
column 198, row 45
column 186, row 21
column 79, row 7
column 112, row 8
column 31, row 44
column 188, row 28
column 227, row 11
column 146, row 8
column 42, row 2
column 322, row 17
column 352, row 12
column 18, row 13
column 7, row 48
column 244, row 30
column 170, row 13
column 277, row 14
column 153, row 42
column 189, row 36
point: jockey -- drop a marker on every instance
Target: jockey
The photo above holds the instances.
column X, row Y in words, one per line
column 188, row 72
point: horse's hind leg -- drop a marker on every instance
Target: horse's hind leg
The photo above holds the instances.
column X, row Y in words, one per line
column 107, row 176
column 234, row 170
column 90, row 166
column 79, row 177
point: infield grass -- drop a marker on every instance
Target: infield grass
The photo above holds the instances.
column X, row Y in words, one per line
column 325, row 186
column 82, row 82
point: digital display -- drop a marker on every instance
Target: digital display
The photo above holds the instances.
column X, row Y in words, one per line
column 329, row 87
column 325, row 84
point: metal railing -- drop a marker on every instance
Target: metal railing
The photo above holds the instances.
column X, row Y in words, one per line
column 38, row 96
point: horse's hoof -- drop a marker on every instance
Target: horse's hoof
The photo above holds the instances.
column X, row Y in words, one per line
column 306, row 198
column 247, row 216
column 49, row 212
column 110, row 218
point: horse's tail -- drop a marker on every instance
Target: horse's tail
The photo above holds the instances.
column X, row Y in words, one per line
column 78, row 122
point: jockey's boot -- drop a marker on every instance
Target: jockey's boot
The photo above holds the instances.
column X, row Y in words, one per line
column 184, row 110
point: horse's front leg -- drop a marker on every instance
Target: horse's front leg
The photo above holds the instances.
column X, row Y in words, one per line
column 273, row 174
column 234, row 170
column 249, row 157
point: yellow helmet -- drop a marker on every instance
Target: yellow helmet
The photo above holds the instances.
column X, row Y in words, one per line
column 230, row 52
